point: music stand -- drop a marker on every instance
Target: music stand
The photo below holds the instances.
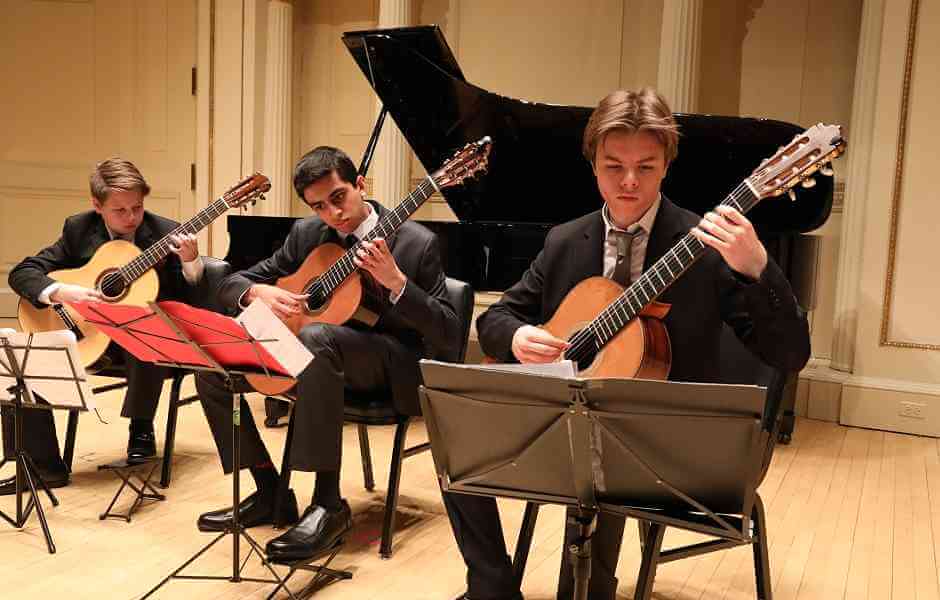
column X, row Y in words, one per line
column 15, row 368
column 611, row 445
column 175, row 334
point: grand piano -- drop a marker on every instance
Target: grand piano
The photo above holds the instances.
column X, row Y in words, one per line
column 537, row 176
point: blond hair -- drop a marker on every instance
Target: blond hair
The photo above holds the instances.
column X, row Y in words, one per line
column 633, row 112
column 116, row 174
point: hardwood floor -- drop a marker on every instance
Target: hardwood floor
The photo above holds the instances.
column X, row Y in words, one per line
column 849, row 515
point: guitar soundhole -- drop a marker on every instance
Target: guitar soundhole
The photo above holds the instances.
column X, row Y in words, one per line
column 583, row 351
column 112, row 286
column 316, row 299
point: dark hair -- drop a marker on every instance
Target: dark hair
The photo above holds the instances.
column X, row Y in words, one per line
column 319, row 163
column 116, row 174
column 643, row 110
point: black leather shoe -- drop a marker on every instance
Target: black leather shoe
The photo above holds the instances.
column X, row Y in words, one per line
column 274, row 409
column 53, row 480
column 316, row 532
column 141, row 445
column 256, row 509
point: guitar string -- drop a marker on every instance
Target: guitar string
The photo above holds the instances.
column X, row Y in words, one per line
column 331, row 279
column 146, row 259
column 591, row 338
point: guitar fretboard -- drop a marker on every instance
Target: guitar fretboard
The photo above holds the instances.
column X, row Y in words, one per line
column 157, row 252
column 651, row 284
column 387, row 225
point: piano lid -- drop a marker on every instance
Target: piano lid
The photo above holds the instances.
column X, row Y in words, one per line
column 537, row 173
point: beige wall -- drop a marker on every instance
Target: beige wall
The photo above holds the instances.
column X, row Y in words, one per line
column 792, row 60
column 903, row 365
column 88, row 80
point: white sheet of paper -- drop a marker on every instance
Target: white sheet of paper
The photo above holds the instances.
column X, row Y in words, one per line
column 562, row 368
column 51, row 354
column 262, row 324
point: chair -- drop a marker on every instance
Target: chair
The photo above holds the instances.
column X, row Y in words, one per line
column 376, row 408
column 739, row 366
column 215, row 271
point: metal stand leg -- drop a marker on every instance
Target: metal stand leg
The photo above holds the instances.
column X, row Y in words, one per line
column 580, row 554
column 237, row 531
column 27, row 476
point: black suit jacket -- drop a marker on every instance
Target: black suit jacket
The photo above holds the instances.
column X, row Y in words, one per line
column 764, row 314
column 82, row 235
column 423, row 319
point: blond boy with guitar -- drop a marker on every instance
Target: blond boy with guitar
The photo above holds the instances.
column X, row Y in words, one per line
column 118, row 191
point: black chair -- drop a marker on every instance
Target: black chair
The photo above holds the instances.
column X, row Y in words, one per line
column 739, row 366
column 376, row 408
column 215, row 271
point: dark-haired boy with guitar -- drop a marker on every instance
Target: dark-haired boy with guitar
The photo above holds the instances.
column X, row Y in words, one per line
column 415, row 316
column 118, row 192
column 630, row 140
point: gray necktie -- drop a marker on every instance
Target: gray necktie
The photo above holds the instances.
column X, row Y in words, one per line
column 623, row 240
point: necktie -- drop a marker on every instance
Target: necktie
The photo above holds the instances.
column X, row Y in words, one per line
column 623, row 240
column 350, row 240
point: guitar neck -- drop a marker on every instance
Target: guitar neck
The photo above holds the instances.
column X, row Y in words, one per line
column 662, row 274
column 387, row 225
column 157, row 252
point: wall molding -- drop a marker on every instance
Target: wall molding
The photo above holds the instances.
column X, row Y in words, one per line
column 896, row 192
column 819, row 369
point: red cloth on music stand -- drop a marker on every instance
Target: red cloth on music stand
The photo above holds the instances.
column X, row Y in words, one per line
column 180, row 335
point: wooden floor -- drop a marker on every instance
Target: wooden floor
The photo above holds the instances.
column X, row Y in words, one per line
column 850, row 514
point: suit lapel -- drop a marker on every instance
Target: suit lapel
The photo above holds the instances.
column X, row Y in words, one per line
column 590, row 258
column 667, row 231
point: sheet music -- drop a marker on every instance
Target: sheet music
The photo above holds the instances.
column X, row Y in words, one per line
column 262, row 324
column 58, row 360
column 563, row 368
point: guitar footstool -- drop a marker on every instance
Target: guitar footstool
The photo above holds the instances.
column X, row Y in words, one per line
column 324, row 574
column 126, row 471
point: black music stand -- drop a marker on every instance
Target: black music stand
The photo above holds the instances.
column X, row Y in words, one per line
column 14, row 365
column 174, row 334
column 625, row 446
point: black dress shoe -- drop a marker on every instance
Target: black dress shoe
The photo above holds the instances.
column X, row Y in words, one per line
column 256, row 509
column 141, row 445
column 274, row 409
column 53, row 480
column 316, row 532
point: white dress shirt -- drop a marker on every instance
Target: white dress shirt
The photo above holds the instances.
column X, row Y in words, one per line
column 641, row 235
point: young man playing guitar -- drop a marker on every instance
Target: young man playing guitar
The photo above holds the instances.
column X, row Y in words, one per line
column 416, row 316
column 118, row 191
column 630, row 140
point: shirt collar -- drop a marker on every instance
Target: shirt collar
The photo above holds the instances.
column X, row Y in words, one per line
column 645, row 223
column 367, row 225
column 129, row 237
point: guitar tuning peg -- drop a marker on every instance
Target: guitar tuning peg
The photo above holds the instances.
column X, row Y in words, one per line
column 808, row 182
column 826, row 170
column 792, row 195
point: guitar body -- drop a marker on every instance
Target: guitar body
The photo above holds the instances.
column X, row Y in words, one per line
column 343, row 305
column 109, row 257
column 640, row 350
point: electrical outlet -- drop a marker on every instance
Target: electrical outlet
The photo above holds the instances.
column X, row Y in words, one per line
column 911, row 410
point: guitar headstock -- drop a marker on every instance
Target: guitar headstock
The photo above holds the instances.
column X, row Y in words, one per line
column 809, row 152
column 250, row 189
column 473, row 158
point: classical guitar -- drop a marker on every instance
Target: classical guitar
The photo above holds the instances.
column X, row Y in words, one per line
column 337, row 291
column 617, row 332
column 124, row 274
